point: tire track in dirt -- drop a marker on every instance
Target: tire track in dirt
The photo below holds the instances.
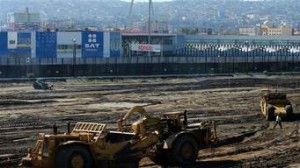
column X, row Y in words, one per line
column 231, row 102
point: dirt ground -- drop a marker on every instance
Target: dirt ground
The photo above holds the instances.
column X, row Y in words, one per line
column 246, row 139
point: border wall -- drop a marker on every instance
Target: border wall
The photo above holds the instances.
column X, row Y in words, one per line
column 67, row 67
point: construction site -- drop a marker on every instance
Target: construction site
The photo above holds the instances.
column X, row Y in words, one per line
column 131, row 98
column 244, row 137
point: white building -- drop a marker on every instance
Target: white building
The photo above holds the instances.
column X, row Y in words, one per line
column 156, row 26
column 23, row 20
column 250, row 31
column 272, row 30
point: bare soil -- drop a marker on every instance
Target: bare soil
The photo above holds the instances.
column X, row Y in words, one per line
column 246, row 139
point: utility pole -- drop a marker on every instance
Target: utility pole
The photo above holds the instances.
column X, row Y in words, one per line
column 149, row 27
column 149, row 23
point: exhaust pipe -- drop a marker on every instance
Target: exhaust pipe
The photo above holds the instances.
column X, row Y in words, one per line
column 54, row 129
column 185, row 121
column 69, row 127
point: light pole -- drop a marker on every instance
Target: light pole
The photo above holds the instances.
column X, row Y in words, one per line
column 254, row 54
column 149, row 27
column 205, row 55
column 247, row 55
column 149, row 23
column 287, row 54
column 74, row 57
column 263, row 55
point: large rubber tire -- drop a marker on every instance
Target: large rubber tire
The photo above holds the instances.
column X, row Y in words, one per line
column 73, row 156
column 159, row 156
column 184, row 151
column 270, row 113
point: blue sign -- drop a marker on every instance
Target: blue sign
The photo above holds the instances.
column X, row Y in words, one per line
column 115, row 44
column 46, row 44
column 3, row 44
column 92, row 44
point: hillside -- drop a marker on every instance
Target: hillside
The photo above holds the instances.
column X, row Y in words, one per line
column 216, row 14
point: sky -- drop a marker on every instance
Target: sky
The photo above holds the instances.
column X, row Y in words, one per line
column 147, row 0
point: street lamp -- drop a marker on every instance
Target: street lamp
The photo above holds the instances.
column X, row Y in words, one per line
column 74, row 56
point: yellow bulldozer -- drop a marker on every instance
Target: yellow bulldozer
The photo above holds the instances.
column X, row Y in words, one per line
column 167, row 140
column 274, row 103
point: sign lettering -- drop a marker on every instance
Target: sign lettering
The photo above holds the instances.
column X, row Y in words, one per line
column 92, row 46
column 145, row 47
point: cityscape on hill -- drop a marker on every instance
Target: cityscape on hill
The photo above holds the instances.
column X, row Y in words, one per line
column 219, row 16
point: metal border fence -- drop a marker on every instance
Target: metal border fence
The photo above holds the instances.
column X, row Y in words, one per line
column 10, row 68
column 192, row 59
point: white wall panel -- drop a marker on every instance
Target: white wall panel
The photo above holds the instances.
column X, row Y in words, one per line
column 106, row 45
column 33, row 44
column 66, row 38
column 12, row 40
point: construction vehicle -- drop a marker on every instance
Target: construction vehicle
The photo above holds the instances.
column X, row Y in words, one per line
column 180, row 142
column 41, row 85
column 275, row 103
column 93, row 145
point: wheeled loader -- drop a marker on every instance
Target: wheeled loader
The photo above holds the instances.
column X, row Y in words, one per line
column 167, row 140
column 275, row 103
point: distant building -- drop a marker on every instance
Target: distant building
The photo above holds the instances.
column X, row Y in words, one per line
column 23, row 20
column 250, row 31
column 297, row 29
column 156, row 27
column 137, row 44
column 139, row 26
column 53, row 44
column 267, row 30
column 281, row 30
column 61, row 25
column 160, row 27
